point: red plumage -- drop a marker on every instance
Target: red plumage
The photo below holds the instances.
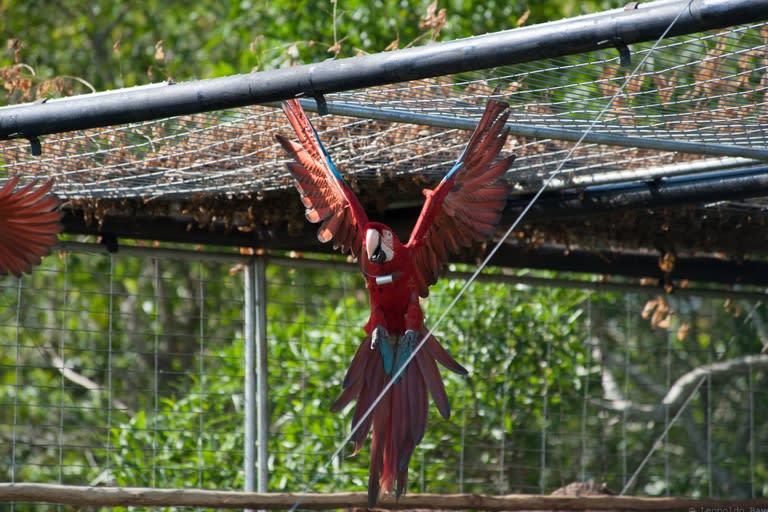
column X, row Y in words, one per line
column 463, row 209
column 29, row 225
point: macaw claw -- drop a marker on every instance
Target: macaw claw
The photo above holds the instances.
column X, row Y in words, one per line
column 381, row 340
column 378, row 335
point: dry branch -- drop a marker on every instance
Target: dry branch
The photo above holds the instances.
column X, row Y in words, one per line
column 137, row 496
column 79, row 379
column 679, row 391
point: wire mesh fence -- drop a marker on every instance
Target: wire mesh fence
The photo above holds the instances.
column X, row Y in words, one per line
column 95, row 350
column 128, row 371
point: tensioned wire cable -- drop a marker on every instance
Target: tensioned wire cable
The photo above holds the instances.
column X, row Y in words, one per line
column 473, row 277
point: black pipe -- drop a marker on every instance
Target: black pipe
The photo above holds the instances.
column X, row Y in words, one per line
column 616, row 28
column 699, row 188
column 675, row 191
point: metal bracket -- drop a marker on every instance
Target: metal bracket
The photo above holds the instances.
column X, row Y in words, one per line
column 322, row 105
column 625, row 56
column 34, row 145
column 109, row 241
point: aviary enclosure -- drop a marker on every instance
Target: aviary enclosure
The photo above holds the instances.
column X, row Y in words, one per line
column 190, row 332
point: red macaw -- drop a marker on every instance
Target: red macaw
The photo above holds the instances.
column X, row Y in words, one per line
column 464, row 208
column 29, row 225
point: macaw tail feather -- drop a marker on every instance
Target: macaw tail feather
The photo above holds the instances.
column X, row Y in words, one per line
column 29, row 225
column 399, row 419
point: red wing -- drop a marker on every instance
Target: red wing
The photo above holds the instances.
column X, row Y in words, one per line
column 324, row 192
column 466, row 206
column 29, row 225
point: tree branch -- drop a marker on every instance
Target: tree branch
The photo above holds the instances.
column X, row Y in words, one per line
column 679, row 391
column 79, row 379
column 760, row 328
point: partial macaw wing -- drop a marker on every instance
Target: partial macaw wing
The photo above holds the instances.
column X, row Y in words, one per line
column 466, row 206
column 29, row 225
column 325, row 194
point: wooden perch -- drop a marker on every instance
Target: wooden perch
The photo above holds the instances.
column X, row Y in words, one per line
column 137, row 496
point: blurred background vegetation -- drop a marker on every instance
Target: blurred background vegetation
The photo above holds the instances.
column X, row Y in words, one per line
column 113, row 44
column 154, row 347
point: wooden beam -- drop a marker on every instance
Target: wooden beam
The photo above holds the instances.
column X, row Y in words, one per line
column 546, row 257
column 149, row 497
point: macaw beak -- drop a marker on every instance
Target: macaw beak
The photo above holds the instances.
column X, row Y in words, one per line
column 373, row 246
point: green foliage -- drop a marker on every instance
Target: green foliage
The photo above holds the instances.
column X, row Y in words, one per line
column 501, row 334
column 522, row 347
column 112, row 44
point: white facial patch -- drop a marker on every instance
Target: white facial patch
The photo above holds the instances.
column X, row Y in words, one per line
column 379, row 246
column 387, row 245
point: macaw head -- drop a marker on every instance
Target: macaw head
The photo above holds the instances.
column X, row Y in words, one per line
column 380, row 243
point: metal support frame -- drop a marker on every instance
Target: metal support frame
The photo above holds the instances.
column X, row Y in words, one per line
column 256, row 410
column 699, row 188
column 610, row 29
column 545, row 132
column 261, row 374
column 249, row 288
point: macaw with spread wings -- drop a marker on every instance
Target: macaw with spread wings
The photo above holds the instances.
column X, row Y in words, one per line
column 29, row 225
column 464, row 208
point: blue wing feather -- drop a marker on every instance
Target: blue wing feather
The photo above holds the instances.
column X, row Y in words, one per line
column 331, row 165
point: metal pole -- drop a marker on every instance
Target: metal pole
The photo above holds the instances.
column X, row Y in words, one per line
column 188, row 255
column 256, row 410
column 610, row 29
column 544, row 132
column 250, row 376
column 262, row 403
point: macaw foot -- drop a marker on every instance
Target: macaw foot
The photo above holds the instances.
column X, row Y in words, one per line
column 409, row 338
column 405, row 345
column 378, row 335
column 394, row 352
column 381, row 340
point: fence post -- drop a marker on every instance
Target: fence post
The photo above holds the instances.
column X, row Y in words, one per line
column 256, row 411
